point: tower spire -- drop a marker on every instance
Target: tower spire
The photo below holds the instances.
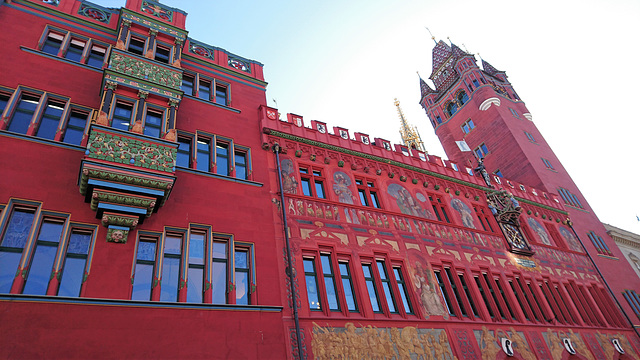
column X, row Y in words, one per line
column 432, row 37
column 409, row 134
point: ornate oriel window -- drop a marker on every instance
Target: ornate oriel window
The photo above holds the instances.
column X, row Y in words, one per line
column 507, row 211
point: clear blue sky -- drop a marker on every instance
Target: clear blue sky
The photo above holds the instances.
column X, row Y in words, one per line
column 343, row 62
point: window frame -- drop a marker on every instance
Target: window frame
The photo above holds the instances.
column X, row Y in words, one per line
column 118, row 99
column 368, row 191
column 313, row 176
column 163, row 112
column 481, row 151
column 138, row 37
column 467, row 126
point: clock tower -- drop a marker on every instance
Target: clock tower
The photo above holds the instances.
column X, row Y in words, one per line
column 477, row 114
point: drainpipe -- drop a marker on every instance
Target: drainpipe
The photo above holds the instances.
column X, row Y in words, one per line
column 276, row 149
column 570, row 223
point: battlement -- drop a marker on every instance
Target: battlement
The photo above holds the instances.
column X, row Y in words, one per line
column 399, row 157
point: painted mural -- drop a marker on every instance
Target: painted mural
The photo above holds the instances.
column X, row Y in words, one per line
column 289, row 182
column 369, row 342
column 341, row 184
column 425, row 285
column 465, row 213
column 407, row 204
column 570, row 238
column 490, row 342
column 539, row 230
column 555, row 344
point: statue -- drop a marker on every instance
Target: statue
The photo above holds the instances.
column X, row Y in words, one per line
column 483, row 172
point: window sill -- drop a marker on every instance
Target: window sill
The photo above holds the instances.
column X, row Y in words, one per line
column 41, row 140
column 185, row 96
column 135, row 303
column 221, row 177
column 54, row 57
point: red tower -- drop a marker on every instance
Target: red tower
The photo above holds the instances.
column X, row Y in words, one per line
column 477, row 113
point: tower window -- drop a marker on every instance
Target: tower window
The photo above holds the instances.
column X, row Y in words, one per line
column 463, row 97
column 498, row 173
column 452, row 108
column 475, row 83
column 468, row 126
column 438, row 119
column 75, row 50
column 569, row 198
column 163, row 54
column 530, row 137
column 481, row 151
column 547, row 163
column 514, row 113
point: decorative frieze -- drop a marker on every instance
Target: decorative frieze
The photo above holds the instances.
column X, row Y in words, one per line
column 130, row 65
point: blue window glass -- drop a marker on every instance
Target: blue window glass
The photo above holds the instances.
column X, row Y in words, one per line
column 136, row 45
column 347, row 285
column 363, row 197
column 222, row 158
column 4, row 99
column 184, row 152
column 50, row 120
column 386, row 287
column 498, row 173
column 23, row 113
column 13, row 241
column 203, row 159
column 475, row 83
column 438, row 119
column 143, row 276
column 153, row 123
column 75, row 128
column 73, row 272
column 463, row 97
column 52, row 43
column 306, row 186
column 171, row 268
column 242, row 276
column 221, row 95
column 204, row 90
column 96, row 56
column 312, row 284
column 320, row 189
column 404, row 295
column 163, row 54
column 219, row 270
column 122, row 116
column 452, row 108
column 371, row 288
column 195, row 272
column 75, row 50
column 330, row 283
column 187, row 84
column 241, row 164
column 39, row 274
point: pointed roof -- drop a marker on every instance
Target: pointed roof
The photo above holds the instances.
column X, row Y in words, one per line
column 441, row 52
column 489, row 69
column 425, row 89
column 457, row 52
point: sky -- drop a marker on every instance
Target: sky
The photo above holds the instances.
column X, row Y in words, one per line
column 344, row 62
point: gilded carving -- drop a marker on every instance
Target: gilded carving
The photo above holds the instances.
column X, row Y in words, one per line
column 369, row 342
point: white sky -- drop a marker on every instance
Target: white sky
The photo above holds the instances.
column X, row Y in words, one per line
column 343, row 62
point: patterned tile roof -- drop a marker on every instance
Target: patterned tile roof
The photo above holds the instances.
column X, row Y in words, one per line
column 425, row 89
column 441, row 52
column 489, row 69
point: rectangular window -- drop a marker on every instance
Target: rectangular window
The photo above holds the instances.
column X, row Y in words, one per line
column 312, row 182
column 599, row 244
column 163, row 54
column 204, row 90
column 475, row 83
column 4, row 100
column 75, row 50
column 153, row 123
column 468, row 126
column 467, row 293
column 96, row 56
column 498, row 173
column 402, row 288
column 329, row 282
column 488, row 287
column 483, row 294
column 171, row 268
column 445, row 293
column 137, row 45
column 196, row 265
column 569, row 198
column 144, row 269
column 530, row 137
column 386, row 287
column 371, row 288
column 184, row 152
column 481, row 151
column 14, row 239
column 368, row 193
column 242, row 276
column 483, row 215
column 187, row 84
column 222, row 158
column 219, row 269
column 76, row 124
column 203, row 159
column 438, row 119
column 312, row 284
column 122, row 116
column 52, row 43
column 450, row 282
column 240, row 158
column 347, row 285
column 514, row 113
column 439, row 208
column 503, row 297
column 39, row 274
column 221, row 95
column 547, row 163
column 23, row 113
column 50, row 119
column 74, row 269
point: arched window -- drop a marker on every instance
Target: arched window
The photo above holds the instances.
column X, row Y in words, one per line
column 462, row 97
column 452, row 108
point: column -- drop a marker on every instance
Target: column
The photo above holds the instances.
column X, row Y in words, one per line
column 124, row 32
column 177, row 54
column 152, row 43
column 107, row 98
column 171, row 124
column 137, row 126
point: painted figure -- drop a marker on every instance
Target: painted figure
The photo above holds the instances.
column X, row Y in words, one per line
column 464, row 211
column 539, row 230
column 570, row 239
column 341, row 183
column 426, row 287
column 407, row 203
column 289, row 182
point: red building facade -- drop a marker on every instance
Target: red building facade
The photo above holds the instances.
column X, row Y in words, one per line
column 153, row 206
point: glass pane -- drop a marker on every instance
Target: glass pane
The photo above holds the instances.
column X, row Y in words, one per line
column 388, row 296
column 50, row 231
column 170, row 279
column 142, row 282
column 332, row 297
column 50, row 121
column 242, row 259
column 348, row 294
column 219, row 282
column 381, row 270
column 72, row 275
column 405, row 301
column 184, row 153
column 242, row 288
column 173, row 245
column 22, row 115
column 326, row 264
column 8, row 267
column 40, row 270
column 204, row 91
column 319, row 189
column 51, row 46
column 196, row 249
column 222, row 159
column 306, row 186
column 79, row 243
column 312, row 292
column 122, row 116
column 203, row 155
column 219, row 250
column 372, row 296
column 367, row 271
column 75, row 128
column 96, row 57
column 194, row 285
column 75, row 50
column 147, row 250
column 18, row 229
column 363, row 197
column 153, row 124
column 221, row 95
column 308, row 266
column 241, row 165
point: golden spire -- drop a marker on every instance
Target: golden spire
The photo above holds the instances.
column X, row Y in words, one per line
column 410, row 136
